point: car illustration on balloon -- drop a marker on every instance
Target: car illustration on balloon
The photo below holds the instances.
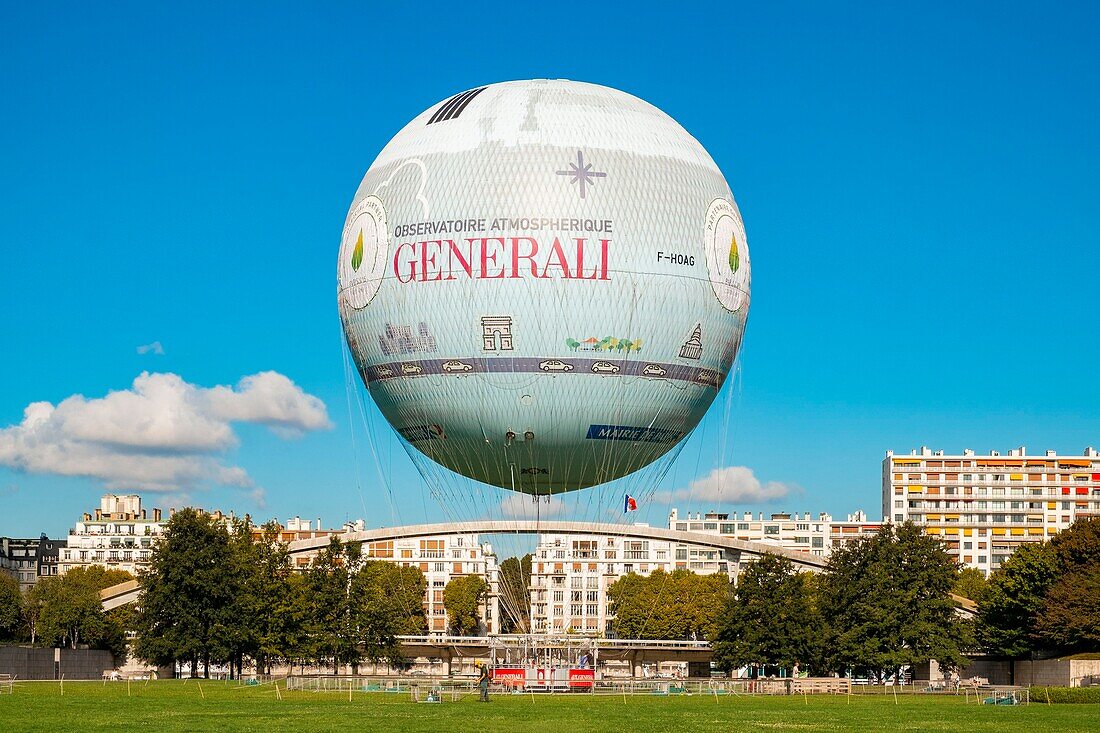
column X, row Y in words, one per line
column 605, row 367
column 555, row 365
column 652, row 370
column 454, row 365
column 706, row 377
column 382, row 372
column 411, row 369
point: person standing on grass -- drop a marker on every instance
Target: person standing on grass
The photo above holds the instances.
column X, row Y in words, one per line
column 483, row 682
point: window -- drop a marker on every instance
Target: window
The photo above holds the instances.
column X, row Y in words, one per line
column 772, row 529
column 818, row 542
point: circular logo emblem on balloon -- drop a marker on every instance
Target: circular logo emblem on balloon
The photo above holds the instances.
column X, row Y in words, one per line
column 363, row 252
column 727, row 254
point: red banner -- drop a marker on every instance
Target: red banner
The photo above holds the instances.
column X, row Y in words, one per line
column 582, row 677
column 510, row 676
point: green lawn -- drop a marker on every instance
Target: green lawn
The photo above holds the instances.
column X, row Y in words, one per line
column 179, row 706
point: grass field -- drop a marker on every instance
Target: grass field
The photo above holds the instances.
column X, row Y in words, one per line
column 181, row 706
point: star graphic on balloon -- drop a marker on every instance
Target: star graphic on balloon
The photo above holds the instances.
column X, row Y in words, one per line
column 581, row 172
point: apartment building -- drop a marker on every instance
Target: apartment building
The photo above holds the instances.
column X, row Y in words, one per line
column 570, row 575
column 442, row 558
column 28, row 559
column 799, row 532
column 815, row 535
column 984, row 507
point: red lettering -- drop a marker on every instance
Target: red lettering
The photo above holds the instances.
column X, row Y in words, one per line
column 556, row 253
column 603, row 259
column 426, row 260
column 445, row 259
column 464, row 262
column 485, row 257
column 580, row 262
column 411, row 263
column 516, row 256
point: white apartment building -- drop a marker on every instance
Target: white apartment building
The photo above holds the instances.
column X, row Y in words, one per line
column 119, row 536
column 790, row 531
column 799, row 532
column 442, row 558
column 984, row 507
column 570, row 575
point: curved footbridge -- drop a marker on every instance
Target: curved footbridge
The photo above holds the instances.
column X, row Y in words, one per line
column 734, row 550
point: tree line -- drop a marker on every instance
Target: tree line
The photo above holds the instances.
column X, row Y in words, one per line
column 882, row 603
column 64, row 611
column 1045, row 599
column 216, row 594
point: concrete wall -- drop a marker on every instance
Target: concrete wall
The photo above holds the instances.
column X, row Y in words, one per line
column 27, row 663
column 1058, row 672
column 1044, row 672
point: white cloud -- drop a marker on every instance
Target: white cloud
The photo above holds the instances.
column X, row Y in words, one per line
column 153, row 348
column 161, row 434
column 732, row 484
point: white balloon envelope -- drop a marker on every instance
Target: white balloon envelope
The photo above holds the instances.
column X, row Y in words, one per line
column 543, row 284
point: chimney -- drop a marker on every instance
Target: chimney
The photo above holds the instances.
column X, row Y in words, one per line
column 156, row 514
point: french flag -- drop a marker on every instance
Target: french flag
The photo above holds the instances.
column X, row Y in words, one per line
column 630, row 505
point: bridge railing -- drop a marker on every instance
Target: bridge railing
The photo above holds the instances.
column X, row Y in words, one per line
column 553, row 641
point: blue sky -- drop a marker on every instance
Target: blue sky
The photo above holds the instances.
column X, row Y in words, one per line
column 919, row 188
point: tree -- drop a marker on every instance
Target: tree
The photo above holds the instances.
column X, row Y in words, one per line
column 887, row 605
column 1013, row 599
column 11, row 607
column 1078, row 548
column 330, row 628
column 676, row 605
column 187, row 606
column 515, row 580
column 387, row 600
column 1068, row 619
column 769, row 619
column 69, row 611
column 969, row 583
column 462, row 598
column 357, row 607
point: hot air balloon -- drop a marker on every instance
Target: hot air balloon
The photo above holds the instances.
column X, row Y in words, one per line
column 543, row 284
